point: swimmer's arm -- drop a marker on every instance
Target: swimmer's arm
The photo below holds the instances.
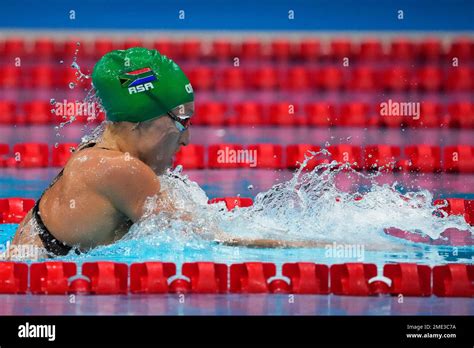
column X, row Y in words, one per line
column 269, row 243
column 129, row 184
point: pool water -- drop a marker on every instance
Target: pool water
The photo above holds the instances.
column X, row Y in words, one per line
column 301, row 206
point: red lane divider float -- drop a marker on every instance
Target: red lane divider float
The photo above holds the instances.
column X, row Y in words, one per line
column 352, row 279
column 307, row 278
column 13, row 278
column 416, row 158
column 51, row 277
column 409, row 279
column 13, row 210
column 251, row 277
column 232, row 202
column 453, row 280
column 106, row 277
column 151, row 277
column 206, row 277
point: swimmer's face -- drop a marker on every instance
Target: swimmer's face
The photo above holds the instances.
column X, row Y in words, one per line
column 159, row 139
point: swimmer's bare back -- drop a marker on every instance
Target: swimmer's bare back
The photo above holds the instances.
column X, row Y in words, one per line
column 94, row 202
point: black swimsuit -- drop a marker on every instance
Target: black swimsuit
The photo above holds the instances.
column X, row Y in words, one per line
column 53, row 246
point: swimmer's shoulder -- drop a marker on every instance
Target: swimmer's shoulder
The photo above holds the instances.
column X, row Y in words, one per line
column 106, row 169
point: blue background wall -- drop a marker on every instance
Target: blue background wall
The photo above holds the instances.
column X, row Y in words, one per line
column 351, row 15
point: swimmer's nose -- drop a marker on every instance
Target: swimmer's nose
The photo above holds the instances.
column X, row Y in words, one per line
column 184, row 139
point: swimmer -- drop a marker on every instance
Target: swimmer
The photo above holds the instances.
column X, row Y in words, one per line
column 102, row 190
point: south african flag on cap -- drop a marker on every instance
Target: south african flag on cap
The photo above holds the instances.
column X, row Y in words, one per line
column 137, row 77
column 137, row 70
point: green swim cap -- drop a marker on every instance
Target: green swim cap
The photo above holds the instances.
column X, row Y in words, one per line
column 139, row 84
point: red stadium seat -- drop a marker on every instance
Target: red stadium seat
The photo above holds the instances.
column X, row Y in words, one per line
column 381, row 157
column 309, row 49
column 430, row 78
column 7, row 112
column 14, row 47
column 106, row 277
column 297, row 153
column 222, row 49
column 247, row 114
column 409, row 279
column 102, row 46
column 62, row 153
column 285, row 114
column 461, row 115
column 166, row 47
column 251, row 49
column 191, row 157
column 353, row 114
column 307, row 278
column 73, row 47
column 30, row 155
column 329, row 78
column 282, row 49
column 251, row 277
column 226, row 156
column 265, row 78
column 459, row 79
column 459, row 159
column 391, row 119
column 352, row 278
column 210, row 113
column 206, row 277
column 341, row 48
column 42, row 76
column 11, row 76
column 424, row 158
column 70, row 75
column 347, row 154
column 4, row 150
column 320, row 114
column 297, row 79
column 132, row 42
column 13, row 210
column 396, row 79
column 462, row 48
column 370, row 50
column 232, row 79
column 267, row 156
column 44, row 49
column 363, row 79
column 201, row 78
column 151, row 277
column 38, row 112
column 402, row 49
column 190, row 49
column 431, row 49
column 430, row 116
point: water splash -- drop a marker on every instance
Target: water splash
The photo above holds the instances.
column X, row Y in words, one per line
column 309, row 207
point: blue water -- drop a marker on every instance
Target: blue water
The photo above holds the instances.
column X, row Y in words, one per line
column 152, row 240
